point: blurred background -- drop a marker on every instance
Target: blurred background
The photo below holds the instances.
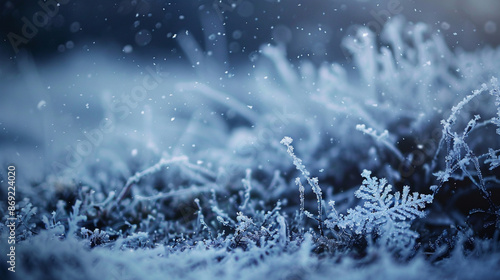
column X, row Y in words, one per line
column 311, row 28
column 62, row 65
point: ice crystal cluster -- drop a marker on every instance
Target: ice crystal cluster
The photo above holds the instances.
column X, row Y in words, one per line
column 238, row 205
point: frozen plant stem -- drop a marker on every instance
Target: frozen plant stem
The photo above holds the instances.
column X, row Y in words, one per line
column 301, row 191
column 248, row 188
column 382, row 138
column 139, row 175
column 313, row 182
column 201, row 218
column 459, row 154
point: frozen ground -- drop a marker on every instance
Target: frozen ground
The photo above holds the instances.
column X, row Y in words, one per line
column 384, row 166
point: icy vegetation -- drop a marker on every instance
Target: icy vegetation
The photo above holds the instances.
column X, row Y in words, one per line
column 386, row 168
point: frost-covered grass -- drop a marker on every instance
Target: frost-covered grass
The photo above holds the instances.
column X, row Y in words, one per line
column 374, row 185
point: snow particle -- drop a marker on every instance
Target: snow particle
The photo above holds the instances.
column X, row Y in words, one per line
column 74, row 27
column 41, row 104
column 127, row 49
column 143, row 37
column 445, row 25
column 70, row 45
column 237, row 34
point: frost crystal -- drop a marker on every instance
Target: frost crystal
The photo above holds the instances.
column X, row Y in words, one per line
column 383, row 213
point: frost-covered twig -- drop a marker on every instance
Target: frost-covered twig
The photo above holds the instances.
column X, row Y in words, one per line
column 493, row 159
column 495, row 91
column 459, row 154
column 74, row 218
column 222, row 216
column 447, row 124
column 382, row 138
column 148, row 171
column 301, row 191
column 201, row 218
column 248, row 188
column 313, row 182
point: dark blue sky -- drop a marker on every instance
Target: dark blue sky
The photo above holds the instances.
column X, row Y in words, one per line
column 312, row 28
